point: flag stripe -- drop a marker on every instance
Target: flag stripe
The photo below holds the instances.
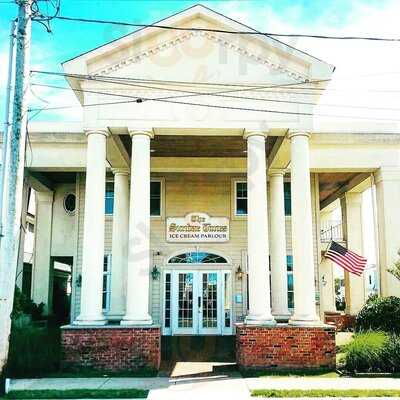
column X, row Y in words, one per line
column 346, row 259
column 343, row 262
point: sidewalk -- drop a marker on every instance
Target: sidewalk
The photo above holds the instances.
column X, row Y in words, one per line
column 208, row 388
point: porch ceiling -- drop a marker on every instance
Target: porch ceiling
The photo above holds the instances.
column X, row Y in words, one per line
column 333, row 185
column 198, row 146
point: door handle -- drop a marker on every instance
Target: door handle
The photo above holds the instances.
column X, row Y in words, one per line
column 199, row 301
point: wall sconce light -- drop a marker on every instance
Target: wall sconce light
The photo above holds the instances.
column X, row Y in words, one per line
column 239, row 272
column 78, row 280
column 155, row 273
column 324, row 282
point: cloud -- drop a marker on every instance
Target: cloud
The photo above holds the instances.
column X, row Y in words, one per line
column 365, row 70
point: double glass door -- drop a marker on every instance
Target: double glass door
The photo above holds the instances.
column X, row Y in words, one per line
column 201, row 302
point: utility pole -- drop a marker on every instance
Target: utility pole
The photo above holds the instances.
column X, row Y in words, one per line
column 15, row 177
column 6, row 122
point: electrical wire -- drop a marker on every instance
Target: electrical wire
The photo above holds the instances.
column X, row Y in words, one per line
column 141, row 99
column 223, row 94
column 254, row 33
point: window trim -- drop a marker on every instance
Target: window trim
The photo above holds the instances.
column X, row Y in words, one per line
column 108, row 288
column 234, row 214
column 162, row 197
column 105, row 193
column 68, row 212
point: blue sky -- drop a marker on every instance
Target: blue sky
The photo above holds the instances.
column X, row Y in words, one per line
column 335, row 17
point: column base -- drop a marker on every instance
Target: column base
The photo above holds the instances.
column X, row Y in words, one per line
column 305, row 321
column 133, row 321
column 262, row 320
column 282, row 317
column 89, row 321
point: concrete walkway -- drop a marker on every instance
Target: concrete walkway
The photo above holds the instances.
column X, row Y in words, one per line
column 207, row 387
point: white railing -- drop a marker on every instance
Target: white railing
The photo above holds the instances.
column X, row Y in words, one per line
column 331, row 230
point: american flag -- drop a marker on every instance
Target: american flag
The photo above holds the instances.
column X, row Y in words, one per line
column 348, row 260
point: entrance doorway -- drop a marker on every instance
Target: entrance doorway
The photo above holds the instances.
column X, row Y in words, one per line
column 198, row 302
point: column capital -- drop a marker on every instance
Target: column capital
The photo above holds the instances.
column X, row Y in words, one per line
column 120, row 171
column 292, row 133
column 103, row 132
column 276, row 172
column 248, row 133
column 137, row 132
column 387, row 174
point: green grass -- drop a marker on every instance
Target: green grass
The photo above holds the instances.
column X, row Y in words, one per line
column 325, row 393
column 293, row 373
column 78, row 394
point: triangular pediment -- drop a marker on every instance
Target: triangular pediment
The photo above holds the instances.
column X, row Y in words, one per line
column 193, row 55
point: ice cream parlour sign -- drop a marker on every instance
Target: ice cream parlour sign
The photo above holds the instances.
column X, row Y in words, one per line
column 197, row 227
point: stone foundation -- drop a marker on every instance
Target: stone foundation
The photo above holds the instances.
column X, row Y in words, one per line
column 285, row 346
column 343, row 322
column 111, row 348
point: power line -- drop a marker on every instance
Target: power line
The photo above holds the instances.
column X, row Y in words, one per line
column 141, row 99
column 188, row 83
column 224, row 95
column 254, row 33
column 294, row 87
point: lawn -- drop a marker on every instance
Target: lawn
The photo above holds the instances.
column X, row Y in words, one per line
column 79, row 394
column 324, row 393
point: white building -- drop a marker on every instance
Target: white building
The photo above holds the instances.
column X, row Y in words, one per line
column 170, row 213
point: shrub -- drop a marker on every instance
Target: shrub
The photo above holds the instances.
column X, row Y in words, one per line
column 365, row 352
column 23, row 305
column 379, row 314
column 33, row 351
column 391, row 354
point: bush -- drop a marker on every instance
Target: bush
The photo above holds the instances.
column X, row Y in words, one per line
column 23, row 305
column 33, row 352
column 372, row 352
column 379, row 314
column 365, row 352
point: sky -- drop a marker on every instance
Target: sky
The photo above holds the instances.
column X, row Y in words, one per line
column 367, row 73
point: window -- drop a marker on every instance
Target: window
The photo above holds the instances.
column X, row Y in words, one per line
column 288, row 199
column 155, row 198
column 197, row 258
column 109, row 200
column 70, row 203
column 106, row 282
column 290, row 281
column 240, row 198
column 167, row 308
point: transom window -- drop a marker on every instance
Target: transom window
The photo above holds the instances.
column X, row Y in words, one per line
column 197, row 258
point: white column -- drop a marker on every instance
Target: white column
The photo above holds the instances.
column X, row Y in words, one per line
column 302, row 238
column 138, row 284
column 41, row 272
column 387, row 180
column 351, row 206
column 91, row 312
column 257, row 231
column 120, row 234
column 278, row 246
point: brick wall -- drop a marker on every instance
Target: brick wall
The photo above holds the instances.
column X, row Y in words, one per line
column 343, row 322
column 285, row 346
column 111, row 349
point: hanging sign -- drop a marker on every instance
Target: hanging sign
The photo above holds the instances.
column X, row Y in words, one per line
column 197, row 227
